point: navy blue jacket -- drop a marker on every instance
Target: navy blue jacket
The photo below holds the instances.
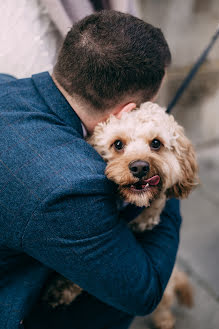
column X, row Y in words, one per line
column 58, row 211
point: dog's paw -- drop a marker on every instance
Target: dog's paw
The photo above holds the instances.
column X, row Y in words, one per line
column 136, row 227
column 164, row 320
column 60, row 292
column 151, row 222
column 141, row 226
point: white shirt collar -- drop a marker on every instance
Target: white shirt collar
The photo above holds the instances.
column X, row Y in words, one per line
column 85, row 133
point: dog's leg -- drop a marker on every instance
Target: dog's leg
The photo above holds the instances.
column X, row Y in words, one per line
column 183, row 288
column 162, row 316
column 178, row 288
column 149, row 217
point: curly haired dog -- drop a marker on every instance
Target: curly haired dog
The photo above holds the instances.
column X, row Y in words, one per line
column 150, row 159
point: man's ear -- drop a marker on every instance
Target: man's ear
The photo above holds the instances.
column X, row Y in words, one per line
column 126, row 108
column 186, row 157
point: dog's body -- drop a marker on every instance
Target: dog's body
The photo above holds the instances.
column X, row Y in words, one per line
column 150, row 159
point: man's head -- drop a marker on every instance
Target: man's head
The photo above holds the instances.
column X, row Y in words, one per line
column 111, row 58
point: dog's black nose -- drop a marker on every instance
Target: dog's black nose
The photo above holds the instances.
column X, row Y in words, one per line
column 139, row 168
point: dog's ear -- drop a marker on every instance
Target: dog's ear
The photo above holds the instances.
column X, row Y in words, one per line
column 186, row 157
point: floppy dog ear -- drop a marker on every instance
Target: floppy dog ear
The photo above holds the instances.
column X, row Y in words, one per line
column 186, row 157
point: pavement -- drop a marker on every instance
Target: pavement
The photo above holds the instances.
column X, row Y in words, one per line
column 199, row 247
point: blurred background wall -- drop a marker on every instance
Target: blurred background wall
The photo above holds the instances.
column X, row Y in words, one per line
column 188, row 26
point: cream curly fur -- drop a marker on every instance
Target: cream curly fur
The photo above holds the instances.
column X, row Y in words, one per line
column 174, row 162
column 175, row 165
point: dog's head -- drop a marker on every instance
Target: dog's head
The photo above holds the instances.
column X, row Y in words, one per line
column 147, row 154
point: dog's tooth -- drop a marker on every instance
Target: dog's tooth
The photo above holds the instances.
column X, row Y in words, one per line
column 147, row 184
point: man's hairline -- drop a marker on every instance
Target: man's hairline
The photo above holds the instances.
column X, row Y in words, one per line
column 92, row 110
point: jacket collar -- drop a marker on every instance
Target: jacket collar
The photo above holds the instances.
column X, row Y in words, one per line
column 56, row 101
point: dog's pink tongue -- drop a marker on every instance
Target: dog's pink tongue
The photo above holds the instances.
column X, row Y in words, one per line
column 153, row 180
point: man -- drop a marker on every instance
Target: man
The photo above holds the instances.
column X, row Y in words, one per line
column 58, row 210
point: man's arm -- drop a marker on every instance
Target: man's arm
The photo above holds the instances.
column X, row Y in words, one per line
column 82, row 238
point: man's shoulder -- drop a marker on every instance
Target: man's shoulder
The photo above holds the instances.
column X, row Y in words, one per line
column 19, row 96
column 36, row 135
column 10, row 85
column 49, row 153
column 39, row 150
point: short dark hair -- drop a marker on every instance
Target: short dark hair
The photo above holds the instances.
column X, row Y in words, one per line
column 109, row 55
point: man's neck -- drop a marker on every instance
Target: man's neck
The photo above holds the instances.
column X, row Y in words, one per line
column 89, row 121
column 88, row 116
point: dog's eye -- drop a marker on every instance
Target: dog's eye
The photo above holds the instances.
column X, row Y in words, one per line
column 155, row 144
column 118, row 144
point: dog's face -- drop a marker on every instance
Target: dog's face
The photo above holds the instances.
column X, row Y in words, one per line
column 147, row 154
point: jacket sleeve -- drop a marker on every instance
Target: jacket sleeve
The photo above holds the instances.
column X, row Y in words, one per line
column 82, row 238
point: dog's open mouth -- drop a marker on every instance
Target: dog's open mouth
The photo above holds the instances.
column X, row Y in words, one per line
column 144, row 185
